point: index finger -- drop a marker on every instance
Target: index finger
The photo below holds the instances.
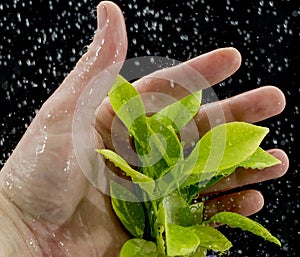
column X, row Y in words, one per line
column 210, row 68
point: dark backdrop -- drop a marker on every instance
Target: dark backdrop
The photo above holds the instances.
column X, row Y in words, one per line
column 40, row 42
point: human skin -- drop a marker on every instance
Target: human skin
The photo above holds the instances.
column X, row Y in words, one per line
column 47, row 205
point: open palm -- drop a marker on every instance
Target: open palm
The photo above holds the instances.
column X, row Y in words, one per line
column 48, row 207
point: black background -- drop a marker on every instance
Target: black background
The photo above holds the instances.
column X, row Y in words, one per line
column 40, row 42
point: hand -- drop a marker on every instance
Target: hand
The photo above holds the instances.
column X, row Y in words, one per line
column 48, row 207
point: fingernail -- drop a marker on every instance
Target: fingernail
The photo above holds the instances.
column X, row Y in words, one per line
column 102, row 16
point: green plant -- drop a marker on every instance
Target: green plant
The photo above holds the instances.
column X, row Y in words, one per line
column 161, row 212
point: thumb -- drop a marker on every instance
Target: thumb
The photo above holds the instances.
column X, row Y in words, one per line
column 107, row 51
column 42, row 176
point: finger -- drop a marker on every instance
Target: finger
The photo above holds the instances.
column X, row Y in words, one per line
column 242, row 177
column 107, row 50
column 42, row 177
column 202, row 71
column 245, row 203
column 252, row 106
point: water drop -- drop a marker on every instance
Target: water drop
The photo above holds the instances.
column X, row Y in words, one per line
column 40, row 149
column 229, row 143
column 9, row 185
column 172, row 83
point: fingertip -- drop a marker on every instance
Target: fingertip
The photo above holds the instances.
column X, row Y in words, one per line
column 244, row 203
column 235, row 56
column 232, row 55
column 110, row 15
column 102, row 15
column 277, row 97
column 107, row 4
column 250, row 202
column 106, row 52
column 217, row 65
column 280, row 169
column 257, row 198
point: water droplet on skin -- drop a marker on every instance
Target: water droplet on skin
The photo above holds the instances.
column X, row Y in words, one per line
column 9, row 185
column 34, row 244
column 40, row 149
column 172, row 83
column 67, row 169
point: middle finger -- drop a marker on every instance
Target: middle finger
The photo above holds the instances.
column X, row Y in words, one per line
column 252, row 106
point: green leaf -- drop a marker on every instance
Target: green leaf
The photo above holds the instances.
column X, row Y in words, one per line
column 181, row 112
column 177, row 210
column 244, row 223
column 207, row 179
column 165, row 150
column 226, row 146
column 119, row 162
column 259, row 160
column 172, row 212
column 138, row 248
column 168, row 140
column 200, row 252
column 195, row 179
column 191, row 193
column 210, row 238
column 170, row 181
column 223, row 147
column 159, row 226
column 142, row 180
column 180, row 240
column 131, row 212
column 156, row 144
column 196, row 210
column 129, row 106
column 167, row 170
